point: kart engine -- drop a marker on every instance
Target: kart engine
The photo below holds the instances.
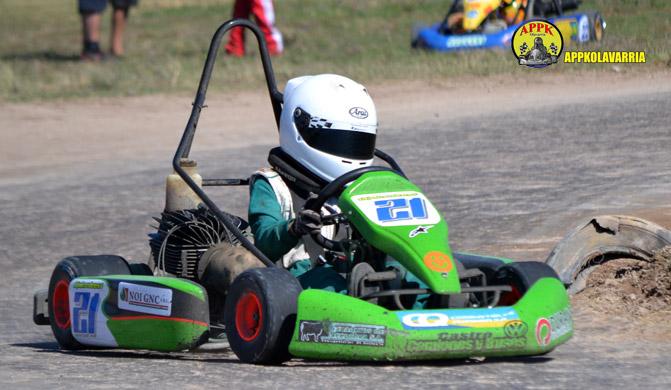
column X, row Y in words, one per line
column 183, row 236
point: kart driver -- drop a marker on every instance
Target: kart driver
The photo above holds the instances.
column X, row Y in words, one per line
column 328, row 127
column 510, row 11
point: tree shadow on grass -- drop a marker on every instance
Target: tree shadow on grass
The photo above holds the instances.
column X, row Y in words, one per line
column 47, row 55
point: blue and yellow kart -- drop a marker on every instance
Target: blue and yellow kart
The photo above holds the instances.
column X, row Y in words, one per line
column 491, row 24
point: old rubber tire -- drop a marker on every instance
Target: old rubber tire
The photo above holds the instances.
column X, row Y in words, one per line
column 521, row 276
column 601, row 239
column 58, row 298
column 260, row 315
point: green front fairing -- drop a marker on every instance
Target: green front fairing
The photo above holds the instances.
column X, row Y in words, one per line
column 388, row 339
column 395, row 240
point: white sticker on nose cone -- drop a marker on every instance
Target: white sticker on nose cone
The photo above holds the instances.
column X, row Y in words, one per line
column 397, row 208
column 87, row 319
column 145, row 299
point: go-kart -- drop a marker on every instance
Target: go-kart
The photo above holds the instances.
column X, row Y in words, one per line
column 472, row 305
column 492, row 23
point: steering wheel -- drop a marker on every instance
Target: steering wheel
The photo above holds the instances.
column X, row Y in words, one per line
column 332, row 189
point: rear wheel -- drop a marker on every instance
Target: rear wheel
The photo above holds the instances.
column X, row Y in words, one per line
column 597, row 26
column 260, row 315
column 521, row 276
column 58, row 298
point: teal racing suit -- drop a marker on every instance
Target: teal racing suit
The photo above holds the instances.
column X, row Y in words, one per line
column 272, row 237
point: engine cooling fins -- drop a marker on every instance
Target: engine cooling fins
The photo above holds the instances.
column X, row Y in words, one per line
column 183, row 236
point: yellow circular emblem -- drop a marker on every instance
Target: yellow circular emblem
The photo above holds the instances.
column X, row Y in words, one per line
column 537, row 43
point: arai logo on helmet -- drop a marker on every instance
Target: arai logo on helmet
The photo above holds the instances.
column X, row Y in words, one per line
column 358, row 112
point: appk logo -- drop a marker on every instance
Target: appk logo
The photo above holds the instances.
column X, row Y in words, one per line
column 537, row 43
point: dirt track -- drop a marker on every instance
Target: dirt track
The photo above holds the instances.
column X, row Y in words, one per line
column 511, row 177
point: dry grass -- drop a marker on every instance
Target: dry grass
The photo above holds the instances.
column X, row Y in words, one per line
column 367, row 40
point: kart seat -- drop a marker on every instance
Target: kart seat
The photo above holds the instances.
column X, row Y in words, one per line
column 298, row 178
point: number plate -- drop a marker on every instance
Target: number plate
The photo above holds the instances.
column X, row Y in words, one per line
column 88, row 322
column 406, row 208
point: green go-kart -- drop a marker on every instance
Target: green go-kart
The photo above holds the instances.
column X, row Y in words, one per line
column 472, row 306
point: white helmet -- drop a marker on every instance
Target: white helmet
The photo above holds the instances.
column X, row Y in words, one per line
column 328, row 124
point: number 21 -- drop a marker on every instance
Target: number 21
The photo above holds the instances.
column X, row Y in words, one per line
column 84, row 312
column 399, row 209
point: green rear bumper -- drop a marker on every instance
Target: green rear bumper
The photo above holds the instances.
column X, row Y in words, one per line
column 138, row 312
column 339, row 327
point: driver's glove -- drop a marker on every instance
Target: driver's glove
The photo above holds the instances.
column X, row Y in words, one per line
column 306, row 222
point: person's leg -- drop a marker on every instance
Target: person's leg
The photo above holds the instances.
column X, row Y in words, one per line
column 90, row 11
column 91, row 27
column 119, row 18
column 264, row 14
column 236, row 38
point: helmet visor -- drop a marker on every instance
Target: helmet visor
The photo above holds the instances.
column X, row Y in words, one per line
column 319, row 134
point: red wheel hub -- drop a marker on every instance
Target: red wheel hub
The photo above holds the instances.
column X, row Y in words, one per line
column 248, row 316
column 510, row 298
column 61, row 304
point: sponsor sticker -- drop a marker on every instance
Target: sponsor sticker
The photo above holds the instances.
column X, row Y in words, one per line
column 562, row 323
column 466, row 342
column 94, row 285
column 583, row 28
column 457, row 318
column 552, row 328
column 438, row 261
column 419, row 230
column 468, row 40
column 145, row 299
column 404, row 208
column 515, row 328
column 543, row 332
column 342, row 333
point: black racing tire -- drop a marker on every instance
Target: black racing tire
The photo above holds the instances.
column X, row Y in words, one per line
column 58, row 299
column 260, row 315
column 596, row 26
column 487, row 264
column 521, row 276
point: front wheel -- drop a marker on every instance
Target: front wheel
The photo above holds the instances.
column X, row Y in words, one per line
column 260, row 315
column 520, row 276
column 59, row 300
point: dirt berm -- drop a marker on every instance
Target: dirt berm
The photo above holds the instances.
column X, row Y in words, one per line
column 635, row 293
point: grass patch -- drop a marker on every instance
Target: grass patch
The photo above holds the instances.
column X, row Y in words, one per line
column 369, row 41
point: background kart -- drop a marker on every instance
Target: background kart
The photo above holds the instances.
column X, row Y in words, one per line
column 481, row 306
column 577, row 27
